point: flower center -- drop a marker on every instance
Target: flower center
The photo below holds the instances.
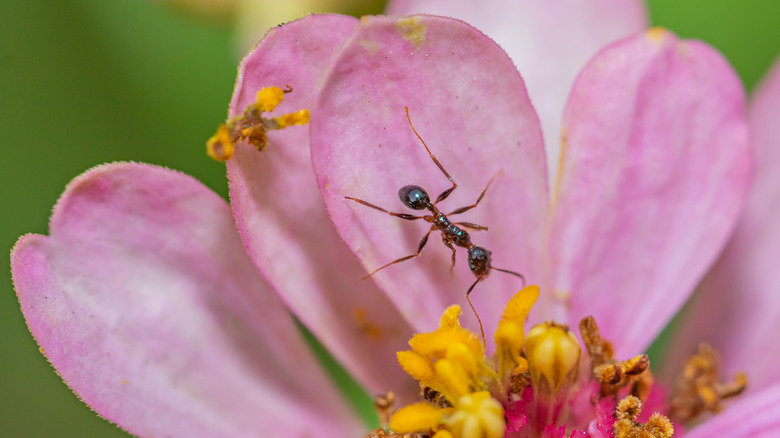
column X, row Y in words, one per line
column 536, row 385
column 251, row 126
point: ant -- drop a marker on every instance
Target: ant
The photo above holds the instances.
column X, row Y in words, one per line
column 452, row 233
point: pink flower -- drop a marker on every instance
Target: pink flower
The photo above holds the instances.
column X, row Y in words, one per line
column 146, row 303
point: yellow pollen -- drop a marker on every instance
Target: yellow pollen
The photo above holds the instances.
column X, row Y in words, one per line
column 412, row 30
column 220, row 147
column 656, row 34
column 366, row 326
column 553, row 354
column 302, row 117
column 251, row 126
column 269, row 98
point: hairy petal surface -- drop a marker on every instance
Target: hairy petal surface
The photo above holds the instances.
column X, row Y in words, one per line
column 283, row 221
column 476, row 120
column 146, row 304
column 755, row 416
column 737, row 310
column 550, row 41
column 652, row 178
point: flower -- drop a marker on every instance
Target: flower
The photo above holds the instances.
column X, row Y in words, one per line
column 147, row 305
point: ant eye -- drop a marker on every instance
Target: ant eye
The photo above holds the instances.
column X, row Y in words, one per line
column 414, row 197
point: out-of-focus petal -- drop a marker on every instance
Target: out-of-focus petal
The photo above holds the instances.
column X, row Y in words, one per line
column 469, row 104
column 146, row 304
column 283, row 221
column 756, row 416
column 255, row 17
column 654, row 170
column 737, row 309
column 549, row 40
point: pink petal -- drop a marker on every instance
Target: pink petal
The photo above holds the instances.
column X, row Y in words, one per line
column 738, row 308
column 757, row 416
column 652, row 182
column 469, row 104
column 144, row 301
column 284, row 224
column 549, row 40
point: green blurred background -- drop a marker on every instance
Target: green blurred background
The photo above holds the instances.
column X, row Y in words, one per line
column 84, row 82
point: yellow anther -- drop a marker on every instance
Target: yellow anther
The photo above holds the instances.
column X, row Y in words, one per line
column 460, row 355
column 302, row 117
column 416, row 418
column 435, row 344
column 443, row 434
column 455, row 382
column 220, row 147
column 269, row 98
column 518, row 307
column 510, row 334
column 553, row 354
column 451, row 317
column 416, row 366
column 477, row 415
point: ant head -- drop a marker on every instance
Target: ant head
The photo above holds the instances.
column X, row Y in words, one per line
column 479, row 260
column 414, row 197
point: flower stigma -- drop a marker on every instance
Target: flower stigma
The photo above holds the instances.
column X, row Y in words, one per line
column 543, row 383
column 251, row 126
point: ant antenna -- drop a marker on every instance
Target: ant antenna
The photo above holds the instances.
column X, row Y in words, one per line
column 479, row 320
column 510, row 272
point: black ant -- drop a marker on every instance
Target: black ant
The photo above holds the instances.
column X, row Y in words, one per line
column 416, row 198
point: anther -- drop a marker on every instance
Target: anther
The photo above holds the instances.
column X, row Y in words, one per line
column 384, row 404
column 626, row 425
column 251, row 127
column 612, row 374
column 700, row 389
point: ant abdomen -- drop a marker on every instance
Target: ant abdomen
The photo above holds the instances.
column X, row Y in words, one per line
column 414, row 197
column 479, row 260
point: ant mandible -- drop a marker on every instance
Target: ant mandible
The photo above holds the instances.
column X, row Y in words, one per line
column 452, row 233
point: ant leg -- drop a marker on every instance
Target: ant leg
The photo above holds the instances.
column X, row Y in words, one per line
column 510, row 272
column 472, row 226
column 481, row 328
column 408, row 217
column 403, row 259
column 481, row 195
column 448, row 244
column 447, row 192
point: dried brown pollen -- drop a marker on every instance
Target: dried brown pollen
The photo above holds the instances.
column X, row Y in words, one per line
column 700, row 390
column 612, row 374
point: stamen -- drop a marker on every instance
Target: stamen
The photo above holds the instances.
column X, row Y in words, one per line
column 510, row 334
column 700, row 389
column 626, row 425
column 417, row 417
column 251, row 126
column 385, row 406
column 614, row 375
